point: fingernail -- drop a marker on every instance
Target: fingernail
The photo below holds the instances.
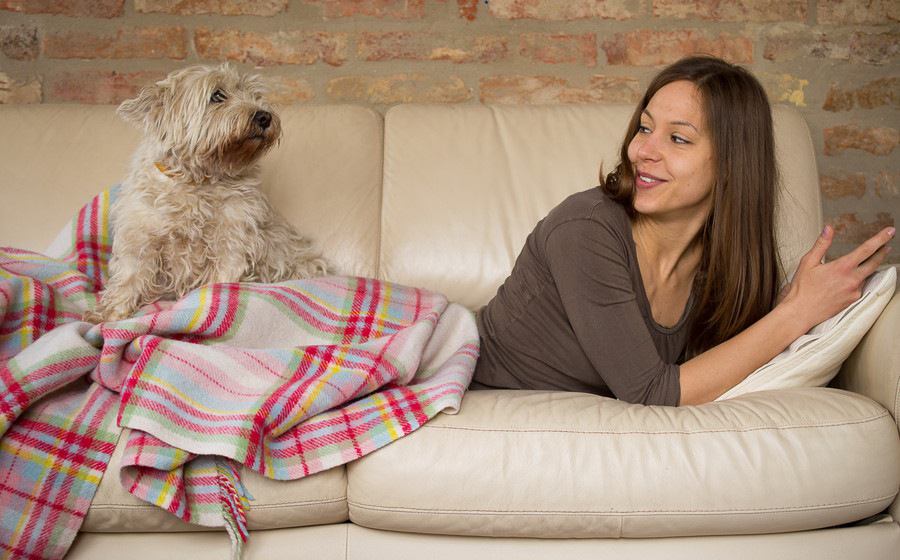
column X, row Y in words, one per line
column 891, row 231
column 825, row 231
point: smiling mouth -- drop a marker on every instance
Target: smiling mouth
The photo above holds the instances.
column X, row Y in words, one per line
column 646, row 181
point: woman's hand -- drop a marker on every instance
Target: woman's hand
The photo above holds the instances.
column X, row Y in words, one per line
column 820, row 290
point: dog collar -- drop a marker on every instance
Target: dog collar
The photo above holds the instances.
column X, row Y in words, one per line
column 164, row 170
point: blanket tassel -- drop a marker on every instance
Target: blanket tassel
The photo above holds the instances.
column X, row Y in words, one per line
column 234, row 498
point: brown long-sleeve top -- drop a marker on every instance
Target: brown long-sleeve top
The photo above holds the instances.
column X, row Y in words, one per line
column 573, row 314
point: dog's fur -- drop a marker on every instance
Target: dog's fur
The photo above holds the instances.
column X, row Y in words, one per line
column 189, row 213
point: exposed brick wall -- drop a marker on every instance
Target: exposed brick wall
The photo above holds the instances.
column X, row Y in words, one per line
column 838, row 61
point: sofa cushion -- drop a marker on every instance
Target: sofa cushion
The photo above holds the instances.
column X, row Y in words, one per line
column 554, row 465
column 464, row 185
column 324, row 177
column 815, row 358
column 316, row 500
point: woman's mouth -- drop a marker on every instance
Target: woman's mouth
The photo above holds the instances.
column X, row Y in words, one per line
column 646, row 181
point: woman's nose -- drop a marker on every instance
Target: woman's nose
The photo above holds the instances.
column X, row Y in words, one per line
column 647, row 147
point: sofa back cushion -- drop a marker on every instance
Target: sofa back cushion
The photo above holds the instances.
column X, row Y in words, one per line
column 464, row 185
column 324, row 177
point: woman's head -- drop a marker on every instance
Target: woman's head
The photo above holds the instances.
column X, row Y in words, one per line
column 671, row 157
column 737, row 280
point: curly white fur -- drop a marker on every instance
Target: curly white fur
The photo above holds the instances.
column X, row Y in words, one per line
column 189, row 213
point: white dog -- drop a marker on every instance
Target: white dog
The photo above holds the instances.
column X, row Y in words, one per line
column 189, row 213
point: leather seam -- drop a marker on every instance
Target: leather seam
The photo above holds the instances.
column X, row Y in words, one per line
column 661, row 432
column 252, row 505
column 896, row 410
column 394, row 509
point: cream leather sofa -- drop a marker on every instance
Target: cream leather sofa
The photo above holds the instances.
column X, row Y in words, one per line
column 443, row 197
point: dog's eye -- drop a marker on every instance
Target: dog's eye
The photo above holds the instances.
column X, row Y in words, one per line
column 218, row 96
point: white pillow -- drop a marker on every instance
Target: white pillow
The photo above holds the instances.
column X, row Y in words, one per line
column 815, row 358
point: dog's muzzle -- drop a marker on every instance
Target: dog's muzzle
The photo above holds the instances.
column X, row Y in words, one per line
column 262, row 119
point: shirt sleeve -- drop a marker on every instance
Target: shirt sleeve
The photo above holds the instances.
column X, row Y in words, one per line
column 589, row 265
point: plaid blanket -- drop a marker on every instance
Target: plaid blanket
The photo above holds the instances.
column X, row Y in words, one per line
column 285, row 379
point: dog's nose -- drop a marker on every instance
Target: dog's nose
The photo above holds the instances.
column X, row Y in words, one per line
column 262, row 119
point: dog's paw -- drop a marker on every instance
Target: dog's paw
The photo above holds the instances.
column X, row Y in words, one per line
column 105, row 314
column 92, row 316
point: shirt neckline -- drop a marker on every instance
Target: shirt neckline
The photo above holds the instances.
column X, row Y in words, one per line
column 645, row 301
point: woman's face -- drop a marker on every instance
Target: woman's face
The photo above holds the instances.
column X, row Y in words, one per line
column 672, row 156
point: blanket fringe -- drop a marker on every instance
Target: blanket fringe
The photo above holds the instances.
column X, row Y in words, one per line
column 235, row 499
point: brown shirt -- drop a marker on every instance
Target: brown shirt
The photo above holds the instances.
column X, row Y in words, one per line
column 573, row 314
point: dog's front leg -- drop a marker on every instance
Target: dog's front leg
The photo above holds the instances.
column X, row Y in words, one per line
column 130, row 286
column 288, row 256
column 231, row 267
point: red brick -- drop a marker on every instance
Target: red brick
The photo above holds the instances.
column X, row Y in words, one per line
column 99, row 87
column 518, row 90
column 648, row 48
column 560, row 47
column 145, row 42
column 857, row 11
column 74, row 8
column 880, row 141
column 468, row 9
column 848, row 228
column 877, row 93
column 732, row 10
column 266, row 49
column 874, row 48
column 399, row 88
column 394, row 9
column 19, row 42
column 564, row 10
column 537, row 90
column 12, row 91
column 403, row 45
column 224, row 7
column 887, row 185
column 793, row 42
column 284, row 90
column 842, row 186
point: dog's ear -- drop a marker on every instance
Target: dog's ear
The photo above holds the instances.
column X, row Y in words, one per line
column 145, row 109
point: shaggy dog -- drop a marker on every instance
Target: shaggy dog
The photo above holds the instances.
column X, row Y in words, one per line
column 189, row 213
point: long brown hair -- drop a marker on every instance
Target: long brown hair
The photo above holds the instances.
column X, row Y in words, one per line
column 737, row 279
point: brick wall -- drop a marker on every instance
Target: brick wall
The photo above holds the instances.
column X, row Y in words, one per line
column 837, row 61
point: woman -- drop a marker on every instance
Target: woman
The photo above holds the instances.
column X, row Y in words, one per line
column 661, row 286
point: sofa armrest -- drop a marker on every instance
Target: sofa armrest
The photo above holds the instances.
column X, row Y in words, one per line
column 873, row 369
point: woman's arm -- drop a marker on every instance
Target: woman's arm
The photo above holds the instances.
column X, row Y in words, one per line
column 817, row 292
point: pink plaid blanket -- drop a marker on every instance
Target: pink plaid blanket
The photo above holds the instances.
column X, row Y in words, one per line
column 286, row 379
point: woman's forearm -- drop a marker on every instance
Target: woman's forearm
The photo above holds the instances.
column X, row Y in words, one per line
column 708, row 375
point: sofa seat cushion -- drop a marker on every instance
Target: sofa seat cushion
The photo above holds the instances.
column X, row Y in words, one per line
column 316, row 500
column 572, row 465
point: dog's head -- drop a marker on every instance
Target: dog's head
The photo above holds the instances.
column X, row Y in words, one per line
column 209, row 120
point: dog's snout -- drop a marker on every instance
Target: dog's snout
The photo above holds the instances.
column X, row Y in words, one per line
column 262, row 119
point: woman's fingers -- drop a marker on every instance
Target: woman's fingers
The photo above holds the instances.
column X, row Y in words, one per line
column 872, row 263
column 870, row 246
column 820, row 247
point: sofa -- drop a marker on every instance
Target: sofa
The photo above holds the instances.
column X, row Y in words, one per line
column 442, row 197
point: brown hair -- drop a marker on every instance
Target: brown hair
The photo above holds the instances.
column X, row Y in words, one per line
column 737, row 279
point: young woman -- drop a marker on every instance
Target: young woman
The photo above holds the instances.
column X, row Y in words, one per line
column 661, row 285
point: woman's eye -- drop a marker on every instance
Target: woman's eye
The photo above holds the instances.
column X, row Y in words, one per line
column 679, row 140
column 218, row 96
column 643, row 129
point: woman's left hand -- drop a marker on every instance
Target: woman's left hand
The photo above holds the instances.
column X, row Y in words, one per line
column 820, row 290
